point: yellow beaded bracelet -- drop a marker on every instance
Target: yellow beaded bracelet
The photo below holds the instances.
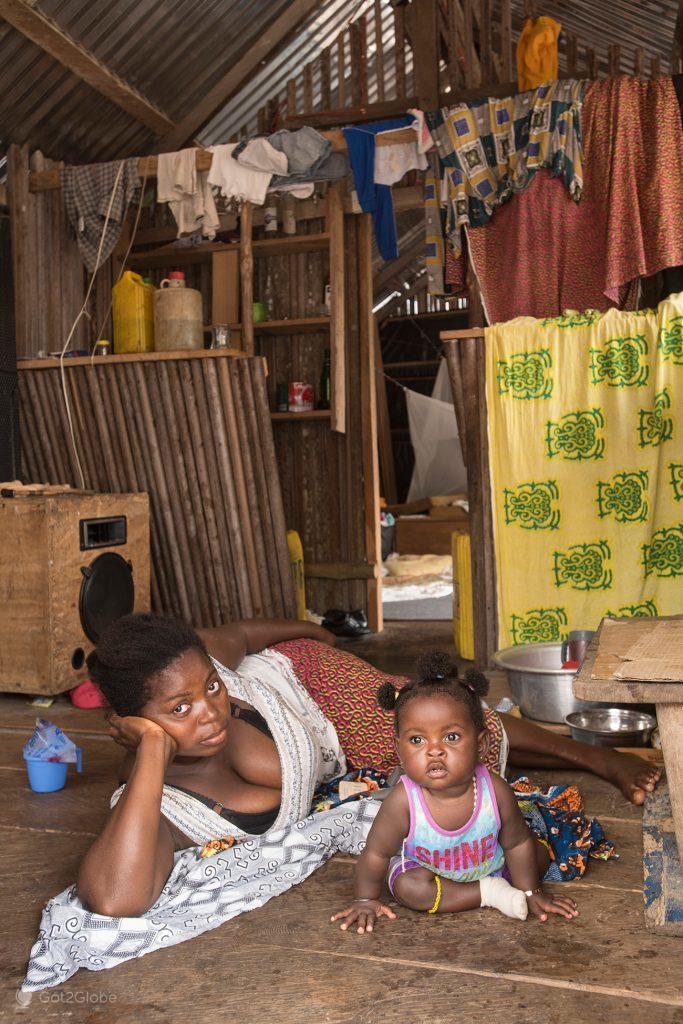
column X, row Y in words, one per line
column 437, row 901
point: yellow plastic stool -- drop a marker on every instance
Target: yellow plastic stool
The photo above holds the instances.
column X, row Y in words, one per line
column 463, row 615
column 296, row 558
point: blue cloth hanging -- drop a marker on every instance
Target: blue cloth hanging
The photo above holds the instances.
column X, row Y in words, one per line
column 374, row 199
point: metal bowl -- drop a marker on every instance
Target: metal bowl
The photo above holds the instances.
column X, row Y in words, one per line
column 539, row 684
column 611, row 727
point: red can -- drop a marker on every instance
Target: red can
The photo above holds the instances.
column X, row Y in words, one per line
column 300, row 396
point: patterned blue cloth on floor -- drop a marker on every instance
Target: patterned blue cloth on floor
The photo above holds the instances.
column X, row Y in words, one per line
column 557, row 818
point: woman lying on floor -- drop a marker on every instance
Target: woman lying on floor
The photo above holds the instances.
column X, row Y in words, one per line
column 224, row 740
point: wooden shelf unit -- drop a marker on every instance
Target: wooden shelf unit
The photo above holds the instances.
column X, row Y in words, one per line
column 301, row 325
column 309, row 414
column 235, row 260
column 332, row 240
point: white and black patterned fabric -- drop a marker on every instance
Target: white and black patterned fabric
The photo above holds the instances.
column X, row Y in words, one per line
column 198, row 896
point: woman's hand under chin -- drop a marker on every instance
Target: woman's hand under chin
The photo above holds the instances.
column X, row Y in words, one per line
column 130, row 731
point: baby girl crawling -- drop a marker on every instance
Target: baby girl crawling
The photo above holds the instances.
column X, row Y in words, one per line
column 458, row 829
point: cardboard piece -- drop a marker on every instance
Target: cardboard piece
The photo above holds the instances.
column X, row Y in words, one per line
column 647, row 650
column 656, row 655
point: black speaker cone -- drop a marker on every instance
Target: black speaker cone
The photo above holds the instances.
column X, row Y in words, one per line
column 107, row 593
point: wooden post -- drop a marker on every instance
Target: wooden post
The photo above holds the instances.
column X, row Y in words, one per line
column 379, row 51
column 591, row 64
column 485, row 54
column 225, row 290
column 466, row 364
column 308, row 88
column 373, row 537
column 400, row 51
column 247, row 278
column 468, row 14
column 291, row 97
column 386, row 451
column 638, row 61
column 655, row 66
column 359, row 63
column 506, row 40
column 422, row 23
column 570, row 54
column 341, row 70
column 325, row 79
column 20, row 205
column 335, row 227
column 614, row 59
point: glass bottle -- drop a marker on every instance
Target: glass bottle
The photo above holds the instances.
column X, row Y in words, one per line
column 325, row 390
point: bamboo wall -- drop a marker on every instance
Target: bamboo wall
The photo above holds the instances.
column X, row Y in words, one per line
column 194, row 432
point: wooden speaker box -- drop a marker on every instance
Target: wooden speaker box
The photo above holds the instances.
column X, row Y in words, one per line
column 70, row 563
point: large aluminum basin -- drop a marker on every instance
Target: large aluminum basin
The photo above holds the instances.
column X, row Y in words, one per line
column 539, row 684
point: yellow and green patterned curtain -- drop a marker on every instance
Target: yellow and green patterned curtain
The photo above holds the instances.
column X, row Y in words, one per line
column 585, row 418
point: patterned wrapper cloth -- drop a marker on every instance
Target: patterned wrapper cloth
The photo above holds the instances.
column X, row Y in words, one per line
column 584, row 420
column 491, row 148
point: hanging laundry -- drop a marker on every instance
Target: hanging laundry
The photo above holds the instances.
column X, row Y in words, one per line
column 393, row 162
column 543, row 253
column 492, row 147
column 236, row 182
column 188, row 193
column 305, row 149
column 435, row 225
column 374, row 199
column 584, row 421
column 88, row 196
column 258, row 155
column 537, row 53
column 425, row 142
column 310, row 158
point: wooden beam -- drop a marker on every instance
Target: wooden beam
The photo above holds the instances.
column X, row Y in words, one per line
column 370, row 454
column 386, row 451
column 335, row 228
column 247, row 279
column 28, row 20
column 677, row 51
column 422, row 28
column 233, row 81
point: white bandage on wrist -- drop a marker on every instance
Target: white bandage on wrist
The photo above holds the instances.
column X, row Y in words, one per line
column 497, row 893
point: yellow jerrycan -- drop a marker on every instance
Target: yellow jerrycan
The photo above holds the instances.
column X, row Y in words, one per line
column 133, row 314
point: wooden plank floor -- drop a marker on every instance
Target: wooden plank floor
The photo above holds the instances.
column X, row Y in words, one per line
column 287, row 963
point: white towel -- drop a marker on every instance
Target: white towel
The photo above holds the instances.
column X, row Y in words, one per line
column 188, row 193
column 235, row 181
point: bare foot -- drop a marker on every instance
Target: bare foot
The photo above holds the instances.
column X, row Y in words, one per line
column 632, row 775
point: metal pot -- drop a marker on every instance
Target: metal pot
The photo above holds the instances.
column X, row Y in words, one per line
column 611, row 727
column 539, row 684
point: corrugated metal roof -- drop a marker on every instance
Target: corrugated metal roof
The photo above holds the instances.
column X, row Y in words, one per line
column 628, row 23
column 318, row 32
column 173, row 51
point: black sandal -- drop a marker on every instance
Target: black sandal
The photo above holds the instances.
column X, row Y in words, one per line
column 349, row 624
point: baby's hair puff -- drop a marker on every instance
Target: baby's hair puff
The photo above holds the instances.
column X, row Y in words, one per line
column 437, row 673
